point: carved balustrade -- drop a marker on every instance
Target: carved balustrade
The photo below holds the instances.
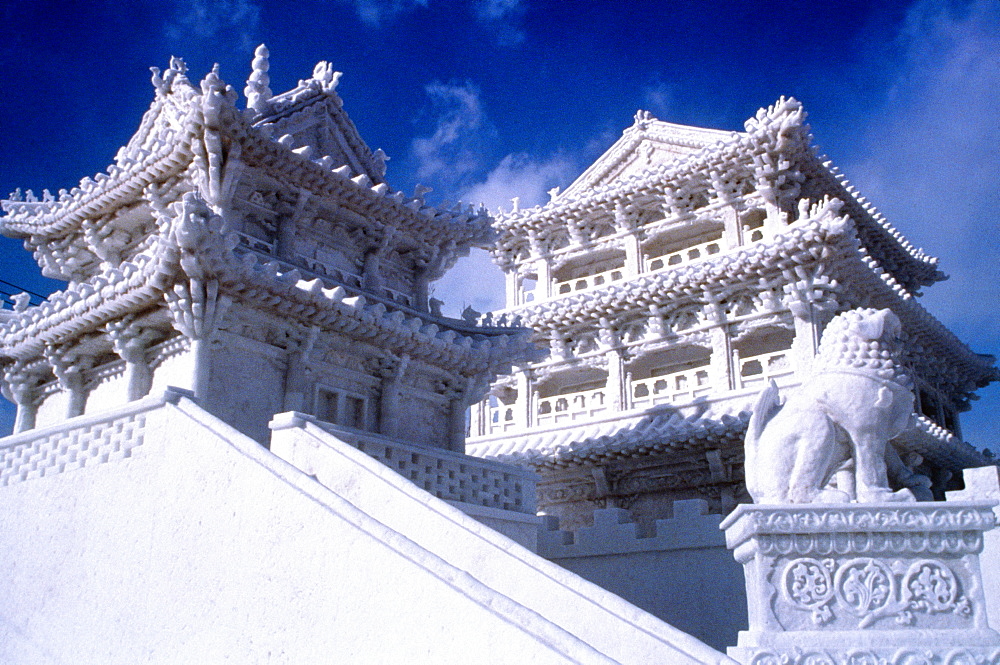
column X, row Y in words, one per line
column 757, row 371
column 589, row 281
column 688, row 254
column 580, row 405
column 669, row 388
column 501, row 418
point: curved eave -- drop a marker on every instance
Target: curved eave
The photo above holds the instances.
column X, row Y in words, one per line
column 862, row 276
column 591, row 445
column 96, row 197
column 874, row 228
column 913, row 267
column 650, row 436
column 119, row 186
column 802, row 244
column 68, row 314
column 412, row 217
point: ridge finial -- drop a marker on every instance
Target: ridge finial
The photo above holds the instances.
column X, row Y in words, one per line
column 257, row 92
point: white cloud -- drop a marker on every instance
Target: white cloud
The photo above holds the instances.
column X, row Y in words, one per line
column 212, row 19
column 474, row 281
column 523, row 177
column 932, row 167
column 658, row 98
column 452, row 153
column 934, row 153
column 504, row 18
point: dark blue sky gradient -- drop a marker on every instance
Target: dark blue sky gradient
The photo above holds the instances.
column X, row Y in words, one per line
column 902, row 95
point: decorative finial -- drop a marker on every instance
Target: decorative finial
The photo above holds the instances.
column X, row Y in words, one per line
column 212, row 81
column 642, row 118
column 380, row 159
column 257, row 91
column 21, row 301
column 324, row 74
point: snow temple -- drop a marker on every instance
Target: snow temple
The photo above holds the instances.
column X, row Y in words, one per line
column 678, row 275
column 241, row 427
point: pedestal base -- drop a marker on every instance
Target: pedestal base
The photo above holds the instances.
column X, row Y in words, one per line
column 863, row 583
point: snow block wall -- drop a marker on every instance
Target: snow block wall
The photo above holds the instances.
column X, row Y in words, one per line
column 683, row 573
column 156, row 533
column 983, row 484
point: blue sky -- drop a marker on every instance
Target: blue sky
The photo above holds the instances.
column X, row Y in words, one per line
column 489, row 99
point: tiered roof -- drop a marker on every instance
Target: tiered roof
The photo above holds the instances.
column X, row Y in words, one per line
column 199, row 129
column 776, row 145
column 837, row 235
column 126, row 237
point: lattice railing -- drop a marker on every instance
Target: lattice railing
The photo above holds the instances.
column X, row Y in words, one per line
column 588, row 281
column 71, row 448
column 448, row 475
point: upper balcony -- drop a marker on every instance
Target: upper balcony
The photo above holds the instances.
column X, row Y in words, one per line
column 627, row 256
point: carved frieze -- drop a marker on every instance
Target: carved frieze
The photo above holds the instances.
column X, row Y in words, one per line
column 840, row 580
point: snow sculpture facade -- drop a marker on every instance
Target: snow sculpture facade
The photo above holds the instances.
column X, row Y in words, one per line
column 256, row 257
column 671, row 282
column 828, row 442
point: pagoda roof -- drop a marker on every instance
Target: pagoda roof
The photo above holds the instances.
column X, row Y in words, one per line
column 196, row 134
column 776, row 141
column 648, row 141
column 823, row 237
column 141, row 285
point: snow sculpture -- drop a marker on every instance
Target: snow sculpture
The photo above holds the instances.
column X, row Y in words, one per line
column 669, row 283
column 828, row 443
column 257, row 91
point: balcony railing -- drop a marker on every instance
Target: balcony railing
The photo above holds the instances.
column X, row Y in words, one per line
column 588, row 281
column 501, row 418
column 756, row 371
column 675, row 387
column 686, row 255
column 572, row 406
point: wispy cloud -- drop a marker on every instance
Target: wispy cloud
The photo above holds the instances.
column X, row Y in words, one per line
column 504, row 18
column 215, row 19
column 934, row 151
column 931, row 167
column 454, row 150
column 658, row 98
column 376, row 13
column 523, row 177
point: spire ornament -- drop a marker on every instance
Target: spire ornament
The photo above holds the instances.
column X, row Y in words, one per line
column 257, row 91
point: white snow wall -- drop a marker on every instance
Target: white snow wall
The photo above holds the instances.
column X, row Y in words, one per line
column 158, row 534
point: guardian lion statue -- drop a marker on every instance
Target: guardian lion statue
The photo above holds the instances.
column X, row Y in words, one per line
column 829, row 441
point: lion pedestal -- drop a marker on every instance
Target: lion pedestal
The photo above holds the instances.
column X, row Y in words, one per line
column 863, row 583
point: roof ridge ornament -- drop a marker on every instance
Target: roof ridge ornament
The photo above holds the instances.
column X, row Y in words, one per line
column 175, row 73
column 257, row 92
column 325, row 75
column 643, row 118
